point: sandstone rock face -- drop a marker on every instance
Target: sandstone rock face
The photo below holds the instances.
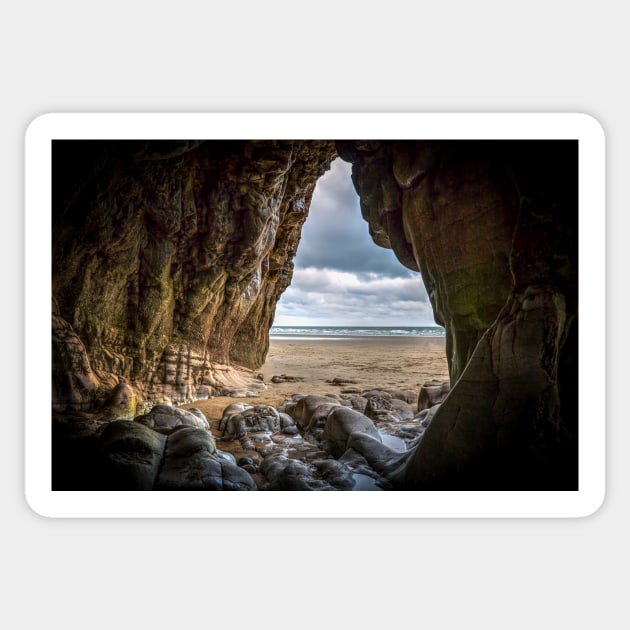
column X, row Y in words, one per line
column 168, row 260
column 492, row 227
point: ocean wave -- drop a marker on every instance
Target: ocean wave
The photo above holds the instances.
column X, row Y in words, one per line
column 358, row 331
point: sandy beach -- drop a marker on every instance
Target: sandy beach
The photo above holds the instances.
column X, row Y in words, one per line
column 372, row 362
column 401, row 362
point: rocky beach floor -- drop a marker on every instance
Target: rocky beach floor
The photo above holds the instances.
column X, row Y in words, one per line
column 324, row 414
column 371, row 377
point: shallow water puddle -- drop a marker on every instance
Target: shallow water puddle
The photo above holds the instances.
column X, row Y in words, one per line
column 393, row 442
column 363, row 482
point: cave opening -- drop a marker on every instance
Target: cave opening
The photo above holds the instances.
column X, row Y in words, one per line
column 353, row 312
column 341, row 276
column 168, row 264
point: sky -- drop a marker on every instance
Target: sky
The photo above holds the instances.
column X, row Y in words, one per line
column 341, row 277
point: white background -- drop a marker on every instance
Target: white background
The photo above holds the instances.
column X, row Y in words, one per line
column 327, row 56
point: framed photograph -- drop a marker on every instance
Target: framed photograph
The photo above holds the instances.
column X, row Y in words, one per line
column 314, row 315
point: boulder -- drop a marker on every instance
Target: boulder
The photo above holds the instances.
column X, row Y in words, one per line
column 306, row 407
column 340, row 424
column 130, row 455
column 164, row 419
column 121, row 403
column 432, row 393
column 258, row 418
column 191, row 462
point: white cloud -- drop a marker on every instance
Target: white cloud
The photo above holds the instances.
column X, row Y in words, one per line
column 330, row 297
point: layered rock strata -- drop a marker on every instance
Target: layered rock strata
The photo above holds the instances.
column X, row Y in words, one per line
column 168, row 260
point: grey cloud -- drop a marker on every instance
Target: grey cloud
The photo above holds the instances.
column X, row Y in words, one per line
column 336, row 236
column 341, row 276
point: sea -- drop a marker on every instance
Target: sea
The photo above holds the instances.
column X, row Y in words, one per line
column 346, row 332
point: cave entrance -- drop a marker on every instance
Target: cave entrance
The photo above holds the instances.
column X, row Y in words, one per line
column 353, row 313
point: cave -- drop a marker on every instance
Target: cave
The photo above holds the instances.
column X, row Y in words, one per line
column 169, row 258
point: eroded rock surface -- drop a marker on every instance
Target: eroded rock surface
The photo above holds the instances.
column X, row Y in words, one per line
column 168, row 260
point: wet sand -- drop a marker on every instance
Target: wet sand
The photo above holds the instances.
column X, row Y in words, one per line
column 401, row 362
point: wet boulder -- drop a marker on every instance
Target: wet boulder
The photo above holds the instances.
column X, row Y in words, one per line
column 235, row 408
column 284, row 473
column 408, row 395
column 378, row 407
column 359, row 403
column 191, row 462
column 340, row 424
column 165, row 419
column 380, row 457
column 379, row 393
column 258, row 418
column 402, row 409
column 287, row 424
column 336, row 473
column 307, row 406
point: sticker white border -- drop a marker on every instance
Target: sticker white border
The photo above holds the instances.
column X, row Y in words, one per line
column 592, row 212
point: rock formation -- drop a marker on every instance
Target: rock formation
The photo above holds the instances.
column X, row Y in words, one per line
column 169, row 258
column 492, row 227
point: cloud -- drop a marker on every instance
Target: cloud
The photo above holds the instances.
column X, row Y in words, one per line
column 331, row 297
column 341, row 276
column 335, row 234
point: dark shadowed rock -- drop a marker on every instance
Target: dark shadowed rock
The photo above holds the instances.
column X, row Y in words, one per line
column 130, row 454
column 492, row 227
column 283, row 473
column 191, row 463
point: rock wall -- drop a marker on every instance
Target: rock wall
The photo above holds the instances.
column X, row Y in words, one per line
column 168, row 260
column 492, row 227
